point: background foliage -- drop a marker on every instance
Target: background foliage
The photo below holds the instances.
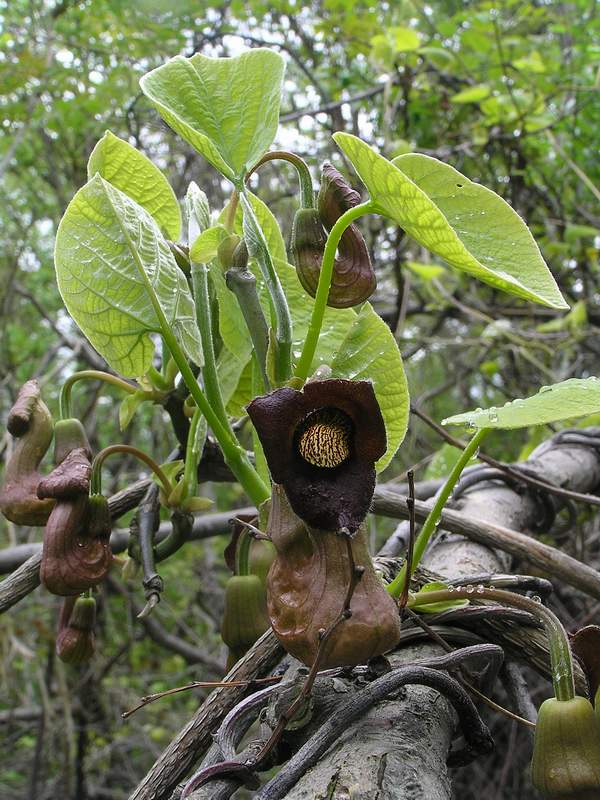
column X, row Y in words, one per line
column 505, row 92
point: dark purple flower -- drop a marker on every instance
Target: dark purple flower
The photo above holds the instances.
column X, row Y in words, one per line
column 321, row 444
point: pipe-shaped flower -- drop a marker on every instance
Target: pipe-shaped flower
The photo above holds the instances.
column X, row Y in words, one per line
column 353, row 279
column 321, row 444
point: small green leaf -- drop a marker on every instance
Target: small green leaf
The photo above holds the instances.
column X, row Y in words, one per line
column 115, row 272
column 435, row 608
column 129, row 405
column 197, row 211
column 369, row 352
column 206, row 245
column 268, row 224
column 532, row 62
column 575, row 397
column 474, row 94
column 133, row 173
column 469, row 226
column 226, row 108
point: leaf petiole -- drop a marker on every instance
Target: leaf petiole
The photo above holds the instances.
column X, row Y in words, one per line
column 396, row 587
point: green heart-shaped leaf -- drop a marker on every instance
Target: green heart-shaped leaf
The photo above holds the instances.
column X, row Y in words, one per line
column 116, row 274
column 369, row 352
column 469, row 226
column 130, row 171
column 226, row 108
column 576, row 397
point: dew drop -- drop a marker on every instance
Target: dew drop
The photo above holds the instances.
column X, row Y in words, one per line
column 493, row 414
column 536, row 598
column 545, row 389
column 480, row 589
column 469, row 589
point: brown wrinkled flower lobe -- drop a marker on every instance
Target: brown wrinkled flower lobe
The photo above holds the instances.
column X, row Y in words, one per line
column 306, row 587
column 29, row 421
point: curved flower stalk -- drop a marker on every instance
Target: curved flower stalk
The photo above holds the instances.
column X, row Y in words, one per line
column 306, row 586
column 321, row 444
column 353, row 280
column 30, row 422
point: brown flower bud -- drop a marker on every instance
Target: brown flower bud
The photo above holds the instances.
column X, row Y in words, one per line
column 29, row 421
column 353, row 279
column 76, row 551
column 76, row 642
column 306, row 586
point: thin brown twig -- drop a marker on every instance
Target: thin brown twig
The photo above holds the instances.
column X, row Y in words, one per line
column 152, row 698
column 537, row 483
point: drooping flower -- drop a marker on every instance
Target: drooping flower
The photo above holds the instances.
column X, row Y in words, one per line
column 321, row 444
column 76, row 640
column 353, row 279
column 306, row 587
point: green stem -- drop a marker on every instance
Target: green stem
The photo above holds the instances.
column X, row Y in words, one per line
column 243, row 285
column 242, row 554
column 193, row 452
column 307, row 194
column 433, row 518
column 234, row 455
column 560, row 652
column 89, row 374
column 231, row 211
column 253, row 233
column 212, row 387
column 316, row 321
column 96, row 475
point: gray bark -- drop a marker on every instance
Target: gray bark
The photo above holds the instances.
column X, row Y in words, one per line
column 398, row 751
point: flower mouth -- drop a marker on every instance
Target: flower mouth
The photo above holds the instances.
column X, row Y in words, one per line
column 324, row 438
column 321, row 445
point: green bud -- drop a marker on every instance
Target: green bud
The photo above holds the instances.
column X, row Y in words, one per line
column 226, row 250
column 69, row 434
column 261, row 556
column 566, row 750
column 245, row 617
